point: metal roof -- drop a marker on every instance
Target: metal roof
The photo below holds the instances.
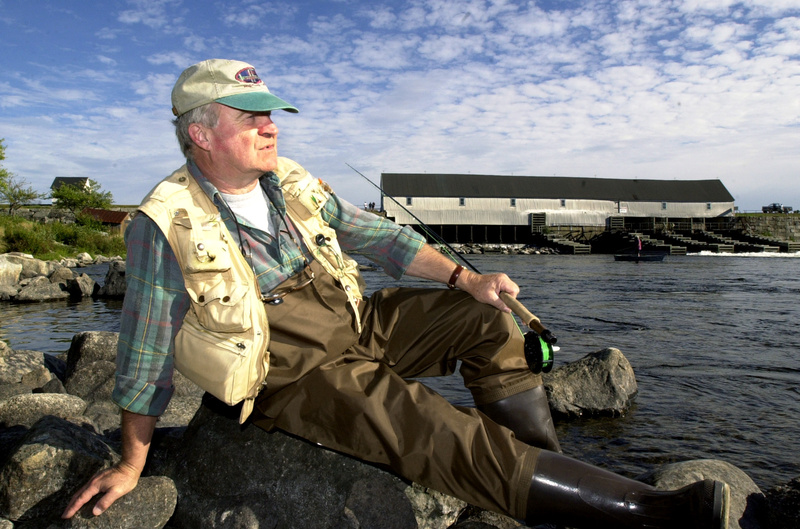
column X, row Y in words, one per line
column 558, row 187
column 106, row 216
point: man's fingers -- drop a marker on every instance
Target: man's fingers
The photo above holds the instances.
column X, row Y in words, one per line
column 80, row 498
column 114, row 482
column 106, row 501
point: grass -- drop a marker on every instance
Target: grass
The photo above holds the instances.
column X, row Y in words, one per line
column 55, row 241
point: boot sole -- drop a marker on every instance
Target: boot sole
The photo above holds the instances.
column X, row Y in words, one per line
column 722, row 505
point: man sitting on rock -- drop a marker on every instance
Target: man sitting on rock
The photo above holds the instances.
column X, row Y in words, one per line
column 236, row 277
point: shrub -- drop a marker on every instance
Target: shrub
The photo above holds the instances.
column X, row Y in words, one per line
column 56, row 240
column 27, row 239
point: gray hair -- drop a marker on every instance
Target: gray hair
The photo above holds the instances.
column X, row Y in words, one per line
column 206, row 115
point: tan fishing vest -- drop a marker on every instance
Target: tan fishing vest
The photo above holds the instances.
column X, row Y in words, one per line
column 222, row 345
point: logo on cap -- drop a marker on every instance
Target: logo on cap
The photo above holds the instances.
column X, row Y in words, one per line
column 248, row 75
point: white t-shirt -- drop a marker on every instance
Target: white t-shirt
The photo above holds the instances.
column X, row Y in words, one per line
column 252, row 207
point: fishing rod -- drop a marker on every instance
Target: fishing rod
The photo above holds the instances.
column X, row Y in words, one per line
column 539, row 347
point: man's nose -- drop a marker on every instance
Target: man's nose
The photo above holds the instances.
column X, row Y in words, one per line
column 267, row 126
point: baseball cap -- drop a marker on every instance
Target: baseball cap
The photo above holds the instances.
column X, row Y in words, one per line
column 231, row 83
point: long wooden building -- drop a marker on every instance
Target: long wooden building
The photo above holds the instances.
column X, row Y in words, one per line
column 491, row 208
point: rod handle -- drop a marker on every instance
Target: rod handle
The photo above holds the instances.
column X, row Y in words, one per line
column 525, row 315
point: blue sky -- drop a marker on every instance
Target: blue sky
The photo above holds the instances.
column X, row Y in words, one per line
column 656, row 89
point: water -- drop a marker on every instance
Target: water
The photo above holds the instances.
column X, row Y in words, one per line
column 711, row 338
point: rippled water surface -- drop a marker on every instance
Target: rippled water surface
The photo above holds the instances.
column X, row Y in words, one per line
column 712, row 339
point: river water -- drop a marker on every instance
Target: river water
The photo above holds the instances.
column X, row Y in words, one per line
column 712, row 339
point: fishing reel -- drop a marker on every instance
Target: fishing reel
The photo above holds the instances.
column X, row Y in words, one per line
column 539, row 351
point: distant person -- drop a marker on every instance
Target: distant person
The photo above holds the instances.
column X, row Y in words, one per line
column 241, row 249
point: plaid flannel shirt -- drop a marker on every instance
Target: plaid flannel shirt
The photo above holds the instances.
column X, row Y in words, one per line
column 156, row 299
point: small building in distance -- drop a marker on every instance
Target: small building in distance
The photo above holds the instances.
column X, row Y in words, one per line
column 513, row 209
column 77, row 181
column 117, row 221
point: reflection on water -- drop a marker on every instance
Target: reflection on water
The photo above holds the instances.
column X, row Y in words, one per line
column 711, row 339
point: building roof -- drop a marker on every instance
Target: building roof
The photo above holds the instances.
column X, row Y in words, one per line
column 77, row 181
column 106, row 216
column 556, row 187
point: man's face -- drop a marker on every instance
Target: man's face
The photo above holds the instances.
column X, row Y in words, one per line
column 243, row 144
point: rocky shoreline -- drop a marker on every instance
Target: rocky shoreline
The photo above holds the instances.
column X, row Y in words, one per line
column 24, row 279
column 58, row 426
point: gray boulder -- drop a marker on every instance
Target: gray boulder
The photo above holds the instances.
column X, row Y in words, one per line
column 22, row 279
column 90, row 374
column 32, row 267
column 8, row 292
column 82, row 286
column 747, row 500
column 39, row 289
column 26, row 409
column 84, row 258
column 784, row 505
column 89, row 347
column 61, row 275
column 52, row 460
column 94, row 384
column 115, row 283
column 10, row 270
column 16, row 365
column 10, row 390
column 263, row 479
column 601, row 383
column 149, row 506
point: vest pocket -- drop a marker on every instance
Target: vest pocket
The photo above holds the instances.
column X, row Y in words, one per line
column 220, row 363
column 219, row 304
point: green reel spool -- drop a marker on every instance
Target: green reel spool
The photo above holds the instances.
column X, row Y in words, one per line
column 538, row 353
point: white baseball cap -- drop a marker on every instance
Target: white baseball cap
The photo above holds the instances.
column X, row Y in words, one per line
column 231, row 83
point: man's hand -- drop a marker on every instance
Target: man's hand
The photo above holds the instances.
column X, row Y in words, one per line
column 486, row 288
column 117, row 481
column 114, row 482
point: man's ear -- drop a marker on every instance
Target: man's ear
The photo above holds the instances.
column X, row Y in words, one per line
column 199, row 135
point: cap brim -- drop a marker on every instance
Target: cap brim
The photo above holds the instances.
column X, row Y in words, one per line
column 256, row 102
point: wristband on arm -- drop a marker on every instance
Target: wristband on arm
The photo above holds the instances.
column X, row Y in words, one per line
column 453, row 278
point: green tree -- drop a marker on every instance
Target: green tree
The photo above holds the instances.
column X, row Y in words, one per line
column 77, row 198
column 15, row 191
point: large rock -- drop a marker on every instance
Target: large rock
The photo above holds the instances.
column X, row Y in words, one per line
column 115, row 283
column 27, row 409
column 601, row 383
column 22, row 279
column 32, row 267
column 16, row 365
column 265, row 479
column 747, row 500
column 40, row 289
column 89, row 347
column 149, row 506
column 54, row 458
column 10, row 270
column 784, row 505
column 82, row 286
column 90, row 374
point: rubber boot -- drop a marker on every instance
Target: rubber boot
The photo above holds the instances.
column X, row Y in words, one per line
column 527, row 414
column 579, row 495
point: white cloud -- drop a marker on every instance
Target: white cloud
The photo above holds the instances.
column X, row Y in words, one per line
column 628, row 88
column 448, row 48
column 179, row 59
column 151, row 13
